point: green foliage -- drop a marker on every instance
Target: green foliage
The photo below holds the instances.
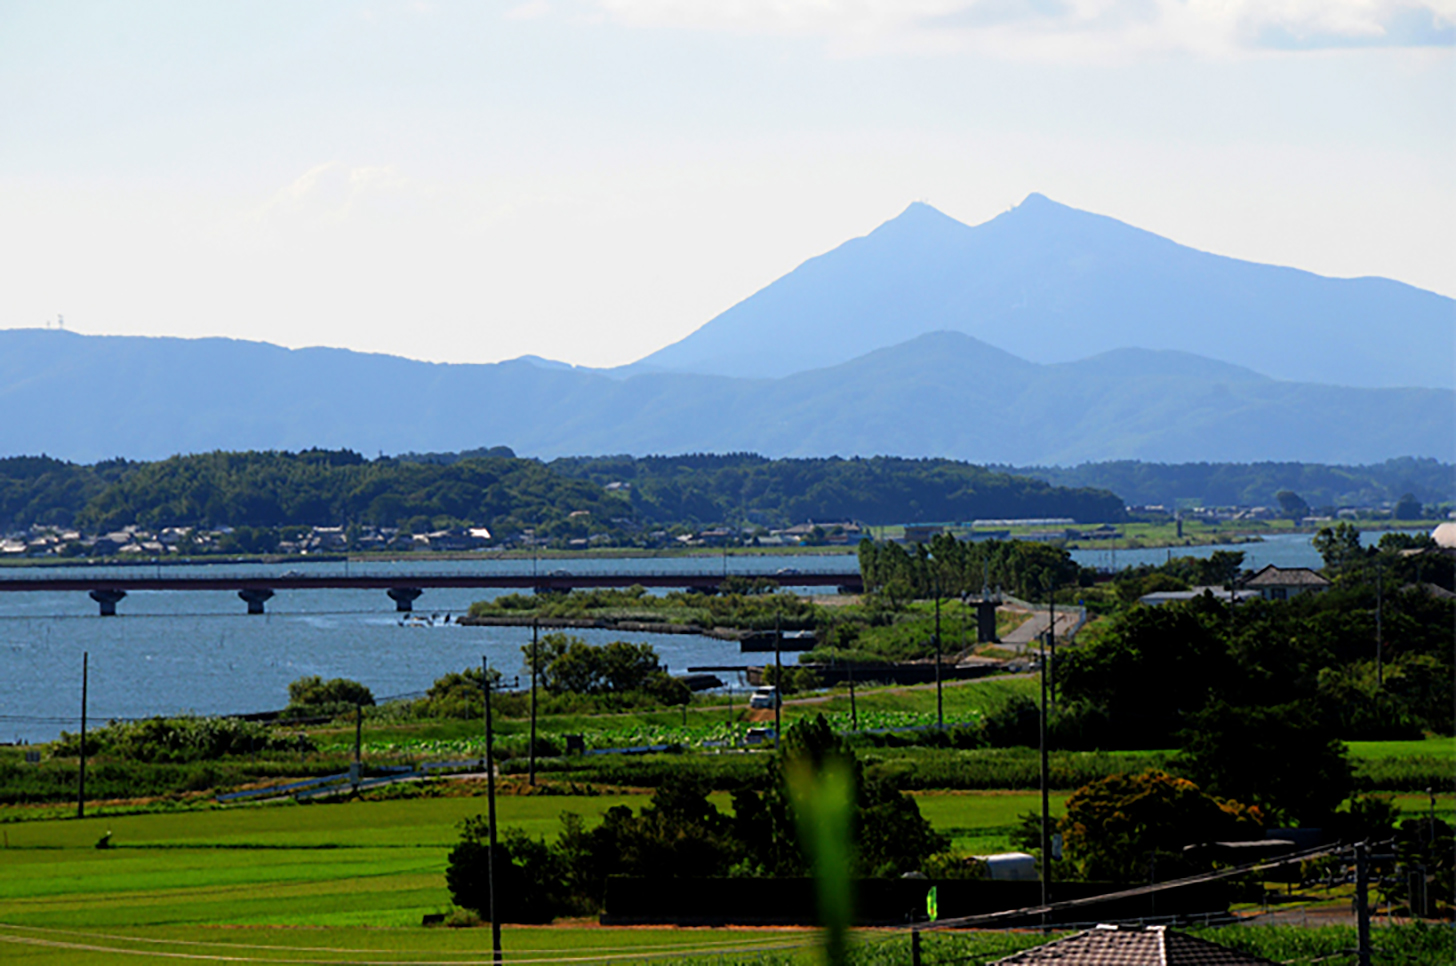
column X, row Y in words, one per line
column 530, row 875
column 948, row 567
column 1427, row 846
column 565, row 664
column 1117, row 828
column 1413, row 944
column 312, row 696
column 458, row 694
column 176, row 740
column 702, row 488
column 1281, row 758
column 1339, row 546
column 745, row 611
column 683, row 834
column 794, row 679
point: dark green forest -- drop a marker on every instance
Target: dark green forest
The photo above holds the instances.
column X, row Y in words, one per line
column 494, row 488
column 745, row 488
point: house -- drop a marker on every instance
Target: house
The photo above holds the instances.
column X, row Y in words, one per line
column 1134, row 946
column 1282, row 583
column 1159, row 597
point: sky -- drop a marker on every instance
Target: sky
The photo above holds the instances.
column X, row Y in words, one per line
column 589, row 180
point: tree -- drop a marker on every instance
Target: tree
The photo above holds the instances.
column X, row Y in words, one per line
column 1283, row 758
column 891, row 836
column 1339, row 546
column 1292, row 504
column 531, row 876
column 1118, row 827
column 1151, row 667
column 314, row 695
column 1408, row 508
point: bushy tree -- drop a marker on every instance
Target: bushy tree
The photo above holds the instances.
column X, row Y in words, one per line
column 566, row 664
column 1283, row 758
column 1292, row 504
column 313, row 696
column 531, row 876
column 1119, row 827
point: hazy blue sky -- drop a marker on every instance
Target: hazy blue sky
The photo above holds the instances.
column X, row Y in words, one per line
column 592, row 179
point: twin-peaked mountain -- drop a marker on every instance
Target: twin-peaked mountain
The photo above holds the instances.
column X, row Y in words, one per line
column 1050, row 283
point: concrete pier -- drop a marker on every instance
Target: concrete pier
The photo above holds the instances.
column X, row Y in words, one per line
column 986, row 620
column 404, row 598
column 255, row 598
column 108, row 599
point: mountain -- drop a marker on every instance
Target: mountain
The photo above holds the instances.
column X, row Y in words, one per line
column 941, row 394
column 1053, row 284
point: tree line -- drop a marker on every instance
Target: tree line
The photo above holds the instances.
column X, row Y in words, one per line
column 1321, row 486
column 494, row 488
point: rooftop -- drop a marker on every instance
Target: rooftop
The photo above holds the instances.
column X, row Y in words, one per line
column 1135, row 946
column 1272, row 576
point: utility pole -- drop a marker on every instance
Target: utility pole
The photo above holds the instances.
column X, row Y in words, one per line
column 854, row 711
column 495, row 930
column 1379, row 637
column 535, row 660
column 81, row 786
column 778, row 677
column 1046, row 851
column 1362, row 902
column 1052, row 640
column 939, row 698
column 357, row 770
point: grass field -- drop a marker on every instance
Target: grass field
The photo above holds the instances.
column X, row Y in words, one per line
column 377, row 863
column 1437, row 747
column 348, row 882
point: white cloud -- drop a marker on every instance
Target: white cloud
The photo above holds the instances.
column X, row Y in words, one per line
column 1061, row 28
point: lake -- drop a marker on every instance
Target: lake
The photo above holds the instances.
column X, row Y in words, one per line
column 198, row 652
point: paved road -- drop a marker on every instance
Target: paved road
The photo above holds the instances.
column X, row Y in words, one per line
column 1036, row 626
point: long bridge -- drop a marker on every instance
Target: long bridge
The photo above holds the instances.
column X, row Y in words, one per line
column 403, row 589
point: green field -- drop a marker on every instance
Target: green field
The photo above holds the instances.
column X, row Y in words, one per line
column 349, row 881
column 1434, row 747
column 373, row 862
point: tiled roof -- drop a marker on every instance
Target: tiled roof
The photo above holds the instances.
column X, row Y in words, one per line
column 1272, row 576
column 1136, row 946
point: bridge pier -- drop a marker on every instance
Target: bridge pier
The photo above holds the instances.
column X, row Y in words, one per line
column 255, row 599
column 108, row 600
column 404, row 598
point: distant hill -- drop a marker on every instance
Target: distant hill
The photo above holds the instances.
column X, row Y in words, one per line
column 562, row 500
column 944, row 394
column 1051, row 284
column 1256, row 484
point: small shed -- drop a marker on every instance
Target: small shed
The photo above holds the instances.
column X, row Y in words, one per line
column 1010, row 867
column 1135, row 946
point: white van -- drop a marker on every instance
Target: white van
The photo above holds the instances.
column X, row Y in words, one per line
column 764, row 697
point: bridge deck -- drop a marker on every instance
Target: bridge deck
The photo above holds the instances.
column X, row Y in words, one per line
column 850, row 580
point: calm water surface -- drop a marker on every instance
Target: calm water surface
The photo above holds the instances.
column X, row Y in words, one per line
column 197, row 651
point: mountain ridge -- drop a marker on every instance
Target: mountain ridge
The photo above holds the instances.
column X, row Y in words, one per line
column 1051, row 283
column 940, row 394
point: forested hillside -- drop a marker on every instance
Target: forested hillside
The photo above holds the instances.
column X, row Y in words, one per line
column 750, row 488
column 495, row 489
column 1255, row 484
